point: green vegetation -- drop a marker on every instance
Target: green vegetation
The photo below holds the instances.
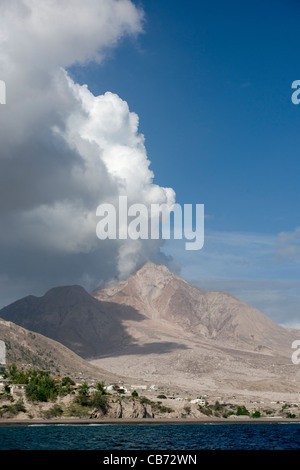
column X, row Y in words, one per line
column 75, row 409
column 206, row 409
column 217, row 406
column 242, row 411
column 54, row 412
column 100, row 386
column 156, row 405
column 291, row 415
column 8, row 411
column 65, row 387
column 41, row 387
column 98, row 399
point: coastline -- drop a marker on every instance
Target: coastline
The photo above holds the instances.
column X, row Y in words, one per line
column 141, row 421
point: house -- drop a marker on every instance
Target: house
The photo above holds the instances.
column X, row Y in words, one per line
column 116, row 387
column 17, row 389
column 139, row 387
column 153, row 387
column 198, row 401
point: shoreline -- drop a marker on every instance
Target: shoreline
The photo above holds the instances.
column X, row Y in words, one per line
column 141, row 421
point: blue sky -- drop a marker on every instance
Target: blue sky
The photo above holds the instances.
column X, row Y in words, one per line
column 211, row 83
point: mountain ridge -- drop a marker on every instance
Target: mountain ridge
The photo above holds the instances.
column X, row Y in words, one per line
column 156, row 327
column 212, row 314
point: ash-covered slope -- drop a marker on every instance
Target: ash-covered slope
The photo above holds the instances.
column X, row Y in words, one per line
column 26, row 348
column 74, row 318
column 159, row 294
column 218, row 344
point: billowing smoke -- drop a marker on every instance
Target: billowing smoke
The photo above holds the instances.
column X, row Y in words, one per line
column 64, row 151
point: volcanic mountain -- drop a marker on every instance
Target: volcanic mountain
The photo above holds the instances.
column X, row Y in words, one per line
column 199, row 340
column 164, row 298
column 156, row 327
column 71, row 316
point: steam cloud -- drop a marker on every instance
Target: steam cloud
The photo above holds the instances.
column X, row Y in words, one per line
column 64, row 151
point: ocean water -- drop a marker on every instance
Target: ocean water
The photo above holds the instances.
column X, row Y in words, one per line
column 235, row 436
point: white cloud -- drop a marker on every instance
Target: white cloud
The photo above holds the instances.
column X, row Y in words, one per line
column 288, row 245
column 63, row 150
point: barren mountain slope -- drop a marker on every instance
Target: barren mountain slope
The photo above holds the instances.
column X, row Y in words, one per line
column 197, row 340
column 74, row 318
column 26, row 348
column 161, row 295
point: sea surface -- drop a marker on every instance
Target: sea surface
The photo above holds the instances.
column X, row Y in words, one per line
column 235, row 436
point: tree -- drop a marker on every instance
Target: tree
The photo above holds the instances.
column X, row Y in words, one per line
column 41, row 387
column 12, row 371
column 83, row 389
column 242, row 410
column 67, row 381
column 100, row 386
column 66, row 386
column 218, row 407
column 83, row 395
column 99, row 401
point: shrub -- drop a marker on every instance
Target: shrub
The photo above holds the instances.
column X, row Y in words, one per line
column 12, row 410
column 217, row 406
column 205, row 410
column 242, row 411
column 67, row 381
column 53, row 412
column 99, row 401
column 164, row 409
column 75, row 409
column 100, row 386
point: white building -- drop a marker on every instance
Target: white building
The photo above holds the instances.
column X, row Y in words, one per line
column 198, row 401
